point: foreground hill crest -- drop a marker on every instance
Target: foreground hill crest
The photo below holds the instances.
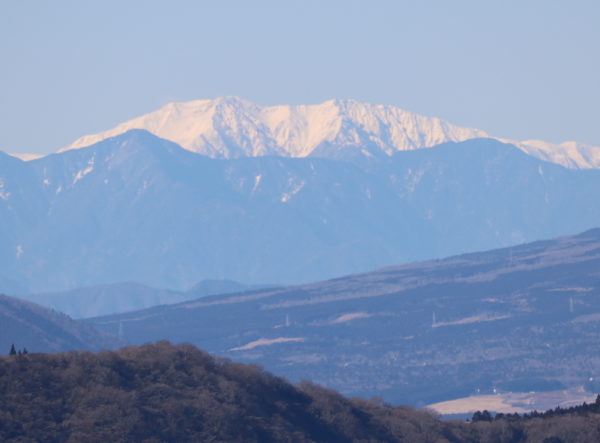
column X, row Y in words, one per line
column 165, row 393
column 230, row 127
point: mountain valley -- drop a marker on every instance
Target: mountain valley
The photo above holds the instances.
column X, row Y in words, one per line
column 122, row 297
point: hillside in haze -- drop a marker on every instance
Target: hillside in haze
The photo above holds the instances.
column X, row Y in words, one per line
column 518, row 319
column 171, row 393
column 230, row 127
column 39, row 329
column 139, row 208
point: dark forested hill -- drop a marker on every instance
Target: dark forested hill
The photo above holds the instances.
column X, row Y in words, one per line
column 39, row 329
column 518, row 319
column 165, row 393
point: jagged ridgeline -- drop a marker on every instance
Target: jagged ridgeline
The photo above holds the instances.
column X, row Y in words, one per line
column 162, row 392
column 231, row 127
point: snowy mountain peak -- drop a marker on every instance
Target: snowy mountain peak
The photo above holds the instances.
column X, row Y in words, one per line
column 231, row 127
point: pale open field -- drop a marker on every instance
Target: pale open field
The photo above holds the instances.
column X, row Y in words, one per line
column 519, row 402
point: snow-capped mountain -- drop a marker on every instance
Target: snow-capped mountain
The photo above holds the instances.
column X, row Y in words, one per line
column 230, row 127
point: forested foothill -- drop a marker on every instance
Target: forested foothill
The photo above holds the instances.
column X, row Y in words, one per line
column 162, row 392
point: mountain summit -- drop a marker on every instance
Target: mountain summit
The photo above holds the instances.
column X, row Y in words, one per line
column 230, row 127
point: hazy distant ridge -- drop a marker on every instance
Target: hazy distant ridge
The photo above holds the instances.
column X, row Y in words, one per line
column 139, row 208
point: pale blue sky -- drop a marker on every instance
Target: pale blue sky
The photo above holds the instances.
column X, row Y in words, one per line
column 517, row 69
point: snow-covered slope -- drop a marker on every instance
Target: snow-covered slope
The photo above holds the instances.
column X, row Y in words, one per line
column 230, row 127
column 571, row 154
column 26, row 156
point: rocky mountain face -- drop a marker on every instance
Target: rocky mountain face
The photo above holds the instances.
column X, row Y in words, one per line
column 39, row 329
column 139, row 208
column 230, row 127
column 517, row 319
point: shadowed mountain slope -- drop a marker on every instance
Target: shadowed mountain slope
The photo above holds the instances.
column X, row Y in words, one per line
column 139, row 208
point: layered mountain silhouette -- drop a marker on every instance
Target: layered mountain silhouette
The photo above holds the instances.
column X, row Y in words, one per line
column 518, row 319
column 140, row 208
column 93, row 301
